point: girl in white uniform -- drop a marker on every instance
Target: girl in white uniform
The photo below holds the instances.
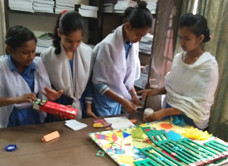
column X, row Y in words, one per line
column 23, row 78
column 117, row 64
column 69, row 63
column 190, row 85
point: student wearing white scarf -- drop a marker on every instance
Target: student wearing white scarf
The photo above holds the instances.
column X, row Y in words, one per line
column 69, row 63
column 190, row 86
column 117, row 64
column 23, row 78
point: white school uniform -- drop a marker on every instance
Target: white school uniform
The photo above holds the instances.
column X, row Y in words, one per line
column 60, row 75
column 113, row 69
column 191, row 88
column 12, row 84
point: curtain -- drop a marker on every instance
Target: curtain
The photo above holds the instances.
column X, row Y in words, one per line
column 2, row 27
column 187, row 6
column 167, row 16
column 216, row 14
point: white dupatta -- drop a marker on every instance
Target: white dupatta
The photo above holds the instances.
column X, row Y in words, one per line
column 12, row 85
column 191, row 88
column 60, row 75
column 111, row 66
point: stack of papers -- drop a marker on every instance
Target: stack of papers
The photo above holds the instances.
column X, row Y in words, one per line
column 108, row 8
column 44, row 41
column 88, row 11
column 121, row 5
column 64, row 5
column 46, row 6
column 75, row 125
column 145, row 45
column 21, row 5
column 152, row 5
column 119, row 122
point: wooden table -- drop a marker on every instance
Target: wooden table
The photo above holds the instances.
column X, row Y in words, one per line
column 71, row 149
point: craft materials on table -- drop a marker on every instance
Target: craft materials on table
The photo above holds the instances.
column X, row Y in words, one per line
column 55, row 108
column 133, row 120
column 119, row 122
column 100, row 153
column 11, row 148
column 195, row 133
column 101, row 123
column 51, row 136
column 75, row 125
column 151, row 144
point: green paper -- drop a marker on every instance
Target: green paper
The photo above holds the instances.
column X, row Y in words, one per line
column 137, row 133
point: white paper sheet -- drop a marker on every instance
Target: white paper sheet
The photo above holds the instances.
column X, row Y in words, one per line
column 75, row 125
column 119, row 122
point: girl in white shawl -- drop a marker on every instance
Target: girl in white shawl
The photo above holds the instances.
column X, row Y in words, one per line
column 192, row 81
column 23, row 78
column 117, row 64
column 69, row 63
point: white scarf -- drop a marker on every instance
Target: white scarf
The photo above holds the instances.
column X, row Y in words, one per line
column 60, row 75
column 111, row 66
column 12, row 85
column 191, row 88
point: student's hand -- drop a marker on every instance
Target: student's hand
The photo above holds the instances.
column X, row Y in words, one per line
column 153, row 117
column 148, row 92
column 52, row 94
column 150, row 118
column 90, row 113
column 25, row 98
column 136, row 100
column 129, row 106
column 158, row 115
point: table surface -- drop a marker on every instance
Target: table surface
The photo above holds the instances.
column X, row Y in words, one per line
column 70, row 149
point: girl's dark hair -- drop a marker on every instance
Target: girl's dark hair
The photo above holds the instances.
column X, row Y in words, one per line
column 197, row 24
column 138, row 16
column 17, row 35
column 67, row 22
